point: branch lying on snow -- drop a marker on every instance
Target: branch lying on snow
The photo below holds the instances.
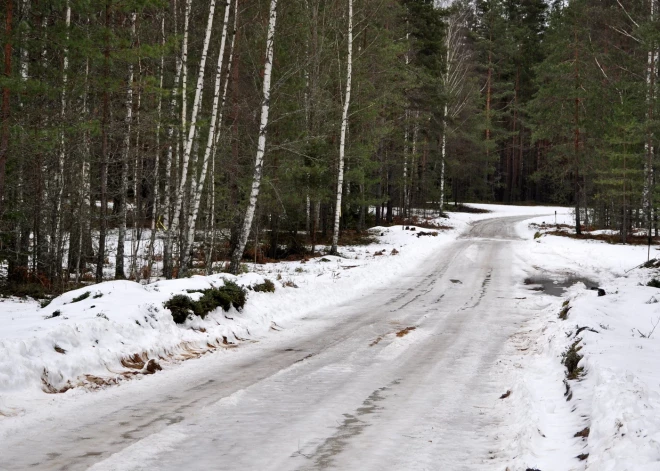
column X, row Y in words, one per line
column 648, row 336
column 582, row 329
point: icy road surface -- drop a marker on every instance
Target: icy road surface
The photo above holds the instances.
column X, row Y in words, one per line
column 407, row 377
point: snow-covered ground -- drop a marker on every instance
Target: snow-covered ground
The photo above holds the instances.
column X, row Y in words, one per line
column 86, row 344
column 608, row 415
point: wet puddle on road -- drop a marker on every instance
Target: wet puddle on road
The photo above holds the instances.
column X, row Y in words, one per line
column 557, row 286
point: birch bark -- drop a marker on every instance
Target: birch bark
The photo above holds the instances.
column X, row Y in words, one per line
column 198, row 184
column 344, row 127
column 156, row 203
column 261, row 145
column 174, row 227
column 121, row 238
column 230, row 61
column 647, row 191
column 167, row 243
column 62, row 154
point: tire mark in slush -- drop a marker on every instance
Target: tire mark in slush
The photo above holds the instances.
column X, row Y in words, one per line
column 352, row 425
column 482, row 292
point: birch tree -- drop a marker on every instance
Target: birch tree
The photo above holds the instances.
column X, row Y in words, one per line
column 344, row 129
column 198, row 184
column 261, row 143
column 62, row 153
column 178, row 208
column 121, row 237
column 455, row 83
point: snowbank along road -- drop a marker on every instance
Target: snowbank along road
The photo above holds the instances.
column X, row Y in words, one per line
column 407, row 377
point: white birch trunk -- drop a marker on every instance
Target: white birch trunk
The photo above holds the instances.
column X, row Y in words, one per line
column 230, row 61
column 136, row 233
column 454, row 82
column 413, row 160
column 85, row 181
column 24, row 54
column 23, row 69
column 156, row 207
column 167, row 243
column 261, row 145
column 647, row 190
column 62, row 153
column 121, row 238
column 184, row 67
column 193, row 125
column 406, row 138
column 443, row 154
column 344, row 126
column 197, row 185
column 405, row 142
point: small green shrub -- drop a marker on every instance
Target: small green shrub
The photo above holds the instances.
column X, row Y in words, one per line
column 537, row 235
column 182, row 306
column 236, row 294
column 45, row 302
column 97, row 296
column 83, row 296
column 654, row 283
column 266, row 287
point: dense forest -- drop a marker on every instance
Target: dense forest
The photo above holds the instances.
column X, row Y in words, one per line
column 146, row 138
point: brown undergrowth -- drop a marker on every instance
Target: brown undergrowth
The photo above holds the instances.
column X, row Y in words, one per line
column 564, row 230
column 139, row 364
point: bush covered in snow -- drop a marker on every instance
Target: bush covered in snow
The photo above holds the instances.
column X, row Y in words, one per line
column 182, row 306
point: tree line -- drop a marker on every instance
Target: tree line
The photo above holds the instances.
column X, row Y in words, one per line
column 145, row 138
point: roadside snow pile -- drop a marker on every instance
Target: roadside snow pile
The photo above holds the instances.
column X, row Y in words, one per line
column 588, row 387
column 104, row 333
column 619, row 386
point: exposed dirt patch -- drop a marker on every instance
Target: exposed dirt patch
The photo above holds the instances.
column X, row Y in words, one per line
column 404, row 332
column 584, row 433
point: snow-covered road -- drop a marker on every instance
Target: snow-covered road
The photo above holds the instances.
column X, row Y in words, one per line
column 407, row 377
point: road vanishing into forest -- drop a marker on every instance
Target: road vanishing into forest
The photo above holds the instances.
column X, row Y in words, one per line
column 405, row 377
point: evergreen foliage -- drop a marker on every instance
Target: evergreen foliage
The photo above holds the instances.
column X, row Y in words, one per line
column 477, row 100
